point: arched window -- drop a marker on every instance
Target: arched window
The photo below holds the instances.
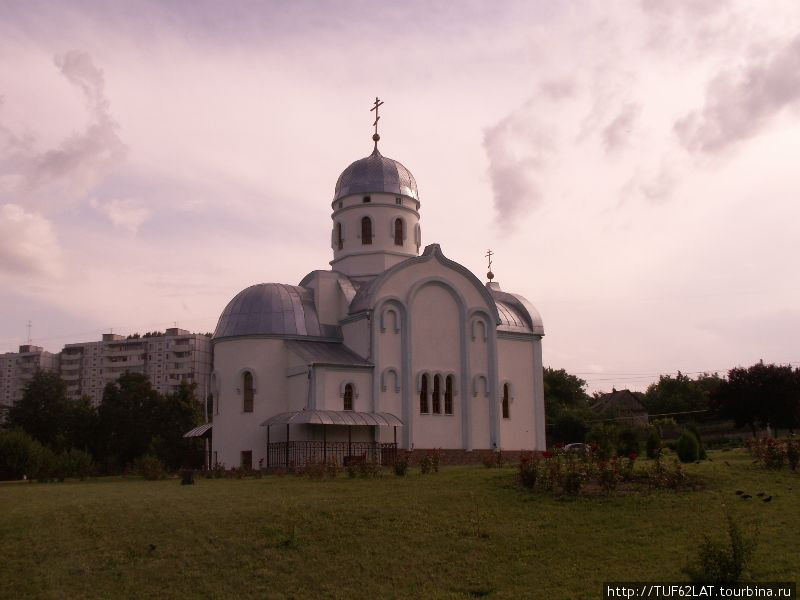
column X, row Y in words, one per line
column 366, row 230
column 448, row 395
column 248, row 391
column 339, row 236
column 398, row 232
column 348, row 397
column 506, row 401
column 437, row 394
column 423, row 395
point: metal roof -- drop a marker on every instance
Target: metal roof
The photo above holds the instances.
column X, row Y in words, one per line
column 511, row 319
column 198, row 431
column 334, row 417
column 375, row 174
column 330, row 353
column 273, row 309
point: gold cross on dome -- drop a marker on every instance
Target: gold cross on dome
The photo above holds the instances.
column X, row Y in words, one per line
column 489, row 254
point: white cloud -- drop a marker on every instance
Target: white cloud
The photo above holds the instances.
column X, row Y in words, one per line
column 28, row 243
column 123, row 213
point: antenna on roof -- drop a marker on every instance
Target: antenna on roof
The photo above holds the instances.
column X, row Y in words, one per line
column 375, row 136
column 29, row 325
column 489, row 255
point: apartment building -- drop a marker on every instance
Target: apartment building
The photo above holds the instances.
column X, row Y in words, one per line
column 16, row 370
column 166, row 358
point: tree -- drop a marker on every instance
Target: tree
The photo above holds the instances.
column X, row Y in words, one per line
column 127, row 418
column 680, row 393
column 176, row 414
column 46, row 414
column 563, row 391
column 759, row 396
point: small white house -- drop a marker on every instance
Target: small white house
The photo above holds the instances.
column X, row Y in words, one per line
column 389, row 348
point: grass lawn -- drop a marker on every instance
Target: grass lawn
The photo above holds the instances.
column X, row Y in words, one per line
column 465, row 532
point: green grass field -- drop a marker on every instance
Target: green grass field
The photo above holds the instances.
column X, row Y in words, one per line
column 464, row 532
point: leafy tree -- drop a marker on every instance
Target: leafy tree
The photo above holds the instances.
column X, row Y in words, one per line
column 562, row 392
column 49, row 416
column 569, row 427
column 126, row 420
column 680, row 393
column 760, row 395
column 176, row 414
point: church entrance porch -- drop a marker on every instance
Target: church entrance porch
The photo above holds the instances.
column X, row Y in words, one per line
column 298, row 454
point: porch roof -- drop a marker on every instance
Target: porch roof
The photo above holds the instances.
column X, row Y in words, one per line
column 200, row 431
column 334, row 417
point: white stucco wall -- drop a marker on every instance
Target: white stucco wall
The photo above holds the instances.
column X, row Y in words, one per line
column 515, row 367
column 235, row 430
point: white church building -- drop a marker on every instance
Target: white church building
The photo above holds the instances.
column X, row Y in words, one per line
column 394, row 346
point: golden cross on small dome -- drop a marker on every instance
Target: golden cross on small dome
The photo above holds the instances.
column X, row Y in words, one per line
column 489, row 255
column 375, row 136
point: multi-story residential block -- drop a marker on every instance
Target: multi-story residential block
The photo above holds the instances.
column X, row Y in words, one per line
column 16, row 370
column 167, row 359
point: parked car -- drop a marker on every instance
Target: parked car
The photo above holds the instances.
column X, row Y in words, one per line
column 577, row 447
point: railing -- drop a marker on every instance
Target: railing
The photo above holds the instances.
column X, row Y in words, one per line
column 297, row 455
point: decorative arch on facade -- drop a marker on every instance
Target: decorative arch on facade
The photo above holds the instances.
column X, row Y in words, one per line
column 344, row 384
column 339, row 234
column 347, row 398
column 366, row 230
column 476, row 385
column 424, row 392
column 390, row 375
column 417, row 236
column 479, row 329
column 449, row 393
column 395, row 319
column 248, row 383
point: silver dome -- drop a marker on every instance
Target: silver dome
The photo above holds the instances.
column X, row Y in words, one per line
column 376, row 174
column 273, row 309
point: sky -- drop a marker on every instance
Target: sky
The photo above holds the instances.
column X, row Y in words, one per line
column 632, row 164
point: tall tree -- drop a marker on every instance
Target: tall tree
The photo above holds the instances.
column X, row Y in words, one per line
column 176, row 414
column 48, row 415
column 563, row 392
column 680, row 393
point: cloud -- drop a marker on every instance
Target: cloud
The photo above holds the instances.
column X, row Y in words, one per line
column 517, row 148
column 739, row 103
column 123, row 213
column 617, row 132
column 70, row 170
column 28, row 244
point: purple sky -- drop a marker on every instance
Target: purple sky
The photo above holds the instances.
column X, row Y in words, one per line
column 632, row 164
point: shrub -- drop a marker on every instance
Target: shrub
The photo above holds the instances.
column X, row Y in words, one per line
column 528, row 469
column 436, row 456
column 793, row 453
column 608, row 475
column 16, row 447
column 653, row 444
column 688, row 449
column 332, row 469
column 629, row 441
column 369, row 468
column 73, row 463
column 401, row 464
column 149, row 467
column 488, row 460
column 604, row 439
column 701, row 451
column 426, row 464
column 43, row 463
column 572, row 479
column 722, row 561
column 315, row 470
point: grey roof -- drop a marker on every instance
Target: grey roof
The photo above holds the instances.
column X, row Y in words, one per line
column 334, row 417
column 198, row 431
column 622, row 400
column 328, row 353
column 520, row 305
column 273, row 309
column 511, row 318
column 375, row 174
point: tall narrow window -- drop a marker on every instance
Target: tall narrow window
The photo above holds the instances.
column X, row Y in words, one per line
column 339, row 236
column 248, row 391
column 506, row 394
column 448, row 395
column 437, row 395
column 398, row 232
column 423, row 395
column 366, row 230
column 348, row 397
